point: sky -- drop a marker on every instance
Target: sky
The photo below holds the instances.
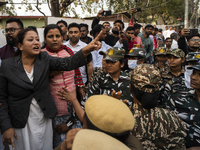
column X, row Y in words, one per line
column 45, row 9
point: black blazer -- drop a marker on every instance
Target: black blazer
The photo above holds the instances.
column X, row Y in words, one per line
column 17, row 91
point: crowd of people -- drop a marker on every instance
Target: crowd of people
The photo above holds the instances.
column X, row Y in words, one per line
column 110, row 88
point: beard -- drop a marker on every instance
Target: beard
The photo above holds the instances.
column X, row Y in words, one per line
column 115, row 31
column 10, row 40
column 195, row 47
column 83, row 36
column 74, row 40
column 148, row 33
column 168, row 45
column 128, row 38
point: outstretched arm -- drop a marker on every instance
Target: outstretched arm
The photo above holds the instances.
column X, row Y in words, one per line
column 81, row 58
column 97, row 19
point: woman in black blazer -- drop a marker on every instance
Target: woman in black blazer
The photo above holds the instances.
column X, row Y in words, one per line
column 24, row 85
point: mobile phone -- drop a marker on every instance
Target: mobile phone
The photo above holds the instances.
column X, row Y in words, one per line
column 107, row 13
column 138, row 9
column 194, row 31
column 122, row 35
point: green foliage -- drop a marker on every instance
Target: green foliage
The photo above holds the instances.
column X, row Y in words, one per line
column 8, row 9
column 166, row 10
column 152, row 10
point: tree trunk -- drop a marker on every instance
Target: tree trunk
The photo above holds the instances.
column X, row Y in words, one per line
column 196, row 6
column 55, row 8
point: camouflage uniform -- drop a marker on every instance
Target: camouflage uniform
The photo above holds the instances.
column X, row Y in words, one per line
column 174, row 85
column 161, row 69
column 96, row 74
column 168, row 75
column 160, row 51
column 178, row 84
column 187, row 106
column 104, row 84
column 168, row 80
column 157, row 128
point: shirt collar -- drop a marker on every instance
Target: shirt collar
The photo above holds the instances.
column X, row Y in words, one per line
column 120, row 76
column 78, row 44
column 15, row 48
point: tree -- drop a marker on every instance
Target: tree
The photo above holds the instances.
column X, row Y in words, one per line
column 152, row 9
column 166, row 10
column 59, row 8
column 193, row 12
column 8, row 10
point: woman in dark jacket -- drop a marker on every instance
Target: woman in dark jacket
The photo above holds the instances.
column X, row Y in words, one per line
column 26, row 104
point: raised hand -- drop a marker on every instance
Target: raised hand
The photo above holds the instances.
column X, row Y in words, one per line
column 100, row 14
column 185, row 32
column 121, row 37
column 133, row 10
column 132, row 37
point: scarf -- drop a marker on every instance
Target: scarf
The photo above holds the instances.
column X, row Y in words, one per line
column 61, row 48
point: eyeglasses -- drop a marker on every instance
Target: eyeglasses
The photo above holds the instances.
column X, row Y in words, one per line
column 11, row 30
column 195, row 40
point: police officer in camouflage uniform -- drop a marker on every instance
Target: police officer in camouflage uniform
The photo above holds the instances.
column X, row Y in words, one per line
column 98, row 71
column 155, row 127
column 175, row 58
column 135, row 57
column 186, row 103
column 114, row 81
column 191, row 60
column 180, row 84
column 160, row 57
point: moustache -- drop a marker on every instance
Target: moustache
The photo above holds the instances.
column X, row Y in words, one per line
column 10, row 37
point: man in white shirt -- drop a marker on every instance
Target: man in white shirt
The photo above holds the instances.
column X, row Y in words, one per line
column 165, row 32
column 174, row 37
column 75, row 44
column 96, row 57
column 169, row 32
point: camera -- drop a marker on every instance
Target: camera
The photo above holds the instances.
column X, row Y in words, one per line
column 106, row 13
column 138, row 9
